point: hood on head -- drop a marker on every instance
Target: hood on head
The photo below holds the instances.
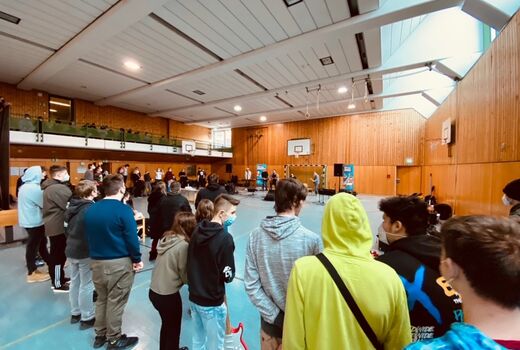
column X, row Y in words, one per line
column 33, row 175
column 213, row 186
column 345, row 227
column 168, row 242
column 280, row 227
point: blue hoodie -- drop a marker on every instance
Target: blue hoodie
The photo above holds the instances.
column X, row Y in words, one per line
column 30, row 199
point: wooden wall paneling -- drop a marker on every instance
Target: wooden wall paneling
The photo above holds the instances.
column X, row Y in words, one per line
column 502, row 174
column 177, row 129
column 409, row 180
column 25, row 102
column 473, row 189
column 444, row 179
column 378, row 180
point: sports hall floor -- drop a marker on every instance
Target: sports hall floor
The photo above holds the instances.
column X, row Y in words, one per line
column 33, row 317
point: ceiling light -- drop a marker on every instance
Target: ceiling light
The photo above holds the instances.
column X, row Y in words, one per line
column 342, row 89
column 325, row 61
column 131, row 65
column 59, row 103
column 198, row 92
column 290, row 3
column 263, row 118
column 237, row 108
column 351, row 106
column 52, row 110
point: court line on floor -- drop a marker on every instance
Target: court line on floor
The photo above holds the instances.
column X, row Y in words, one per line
column 54, row 325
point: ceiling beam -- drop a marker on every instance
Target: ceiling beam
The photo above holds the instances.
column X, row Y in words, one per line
column 383, row 69
column 391, row 12
column 345, row 101
column 119, row 17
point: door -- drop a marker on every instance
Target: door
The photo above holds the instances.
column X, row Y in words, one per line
column 408, row 180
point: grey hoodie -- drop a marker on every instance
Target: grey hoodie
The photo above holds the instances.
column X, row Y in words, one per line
column 170, row 272
column 56, row 195
column 271, row 252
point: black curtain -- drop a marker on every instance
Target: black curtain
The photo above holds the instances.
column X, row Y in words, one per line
column 4, row 155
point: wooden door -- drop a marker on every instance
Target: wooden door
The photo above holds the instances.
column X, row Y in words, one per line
column 408, row 180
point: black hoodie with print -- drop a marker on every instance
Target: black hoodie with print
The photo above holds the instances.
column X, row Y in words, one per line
column 433, row 304
column 210, row 263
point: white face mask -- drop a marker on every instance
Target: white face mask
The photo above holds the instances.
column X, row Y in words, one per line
column 66, row 178
column 506, row 201
column 381, row 234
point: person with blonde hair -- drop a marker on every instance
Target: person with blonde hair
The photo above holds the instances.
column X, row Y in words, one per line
column 78, row 255
column 169, row 275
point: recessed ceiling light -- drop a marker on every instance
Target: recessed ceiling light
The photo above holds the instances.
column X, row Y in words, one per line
column 9, row 18
column 290, row 3
column 199, row 92
column 263, row 118
column 351, row 106
column 342, row 89
column 52, row 110
column 237, row 108
column 59, row 103
column 131, row 65
column 325, row 61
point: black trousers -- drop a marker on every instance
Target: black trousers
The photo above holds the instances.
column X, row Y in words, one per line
column 57, row 260
column 36, row 242
column 170, row 309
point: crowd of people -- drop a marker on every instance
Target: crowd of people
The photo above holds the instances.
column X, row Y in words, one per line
column 456, row 289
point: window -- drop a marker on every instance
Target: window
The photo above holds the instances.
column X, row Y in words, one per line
column 221, row 138
column 60, row 109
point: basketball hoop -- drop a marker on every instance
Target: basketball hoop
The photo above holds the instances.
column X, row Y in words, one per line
column 297, row 153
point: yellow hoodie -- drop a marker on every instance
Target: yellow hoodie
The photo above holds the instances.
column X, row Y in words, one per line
column 316, row 315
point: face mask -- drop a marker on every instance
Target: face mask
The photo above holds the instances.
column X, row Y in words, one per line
column 66, row 178
column 381, row 234
column 230, row 220
column 506, row 201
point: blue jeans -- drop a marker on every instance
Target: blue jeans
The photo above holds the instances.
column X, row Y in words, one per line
column 209, row 326
column 81, row 289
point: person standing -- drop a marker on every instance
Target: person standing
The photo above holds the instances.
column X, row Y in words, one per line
column 247, row 177
column 211, row 192
column 89, row 174
column 211, row 264
column 56, row 195
column 114, row 249
column 316, row 182
column 317, row 315
column 168, row 277
column 81, row 286
column 170, row 205
column 271, row 252
column 30, row 205
column 274, row 179
column 183, row 178
column 158, row 175
column 19, row 182
column 512, row 197
column 147, row 183
column 265, row 178
column 415, row 256
column 154, row 204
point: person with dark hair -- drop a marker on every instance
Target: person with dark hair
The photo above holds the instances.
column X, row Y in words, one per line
column 247, row 177
column 211, row 192
column 169, row 275
column 138, row 183
column 155, row 221
column 265, row 178
column 274, row 179
column 271, row 252
column 183, row 178
column 512, row 197
column 170, row 205
column 316, row 182
column 81, row 286
column 481, row 260
column 30, row 217
column 89, row 174
column 114, row 249
column 204, row 210
column 316, row 313
column 430, row 199
column 211, row 264
column 147, row 183
column 56, row 195
column 415, row 256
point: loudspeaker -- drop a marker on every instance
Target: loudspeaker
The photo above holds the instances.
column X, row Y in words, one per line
column 338, row 169
column 229, row 168
column 269, row 196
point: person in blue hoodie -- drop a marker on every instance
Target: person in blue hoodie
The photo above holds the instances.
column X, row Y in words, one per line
column 271, row 252
column 30, row 205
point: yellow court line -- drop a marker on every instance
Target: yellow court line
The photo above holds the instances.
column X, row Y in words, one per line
column 45, row 329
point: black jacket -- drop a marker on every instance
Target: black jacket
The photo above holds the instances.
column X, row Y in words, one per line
column 432, row 303
column 169, row 206
column 211, row 192
column 210, row 263
column 154, row 205
column 77, row 243
column 515, row 210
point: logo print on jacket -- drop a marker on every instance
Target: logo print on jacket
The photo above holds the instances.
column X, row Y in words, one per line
column 416, row 294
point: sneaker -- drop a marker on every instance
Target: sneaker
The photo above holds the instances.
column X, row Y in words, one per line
column 123, row 342
column 75, row 319
column 99, row 341
column 39, row 263
column 86, row 324
column 62, row 289
column 38, row 276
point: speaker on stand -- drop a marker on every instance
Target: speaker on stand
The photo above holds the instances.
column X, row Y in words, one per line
column 338, row 172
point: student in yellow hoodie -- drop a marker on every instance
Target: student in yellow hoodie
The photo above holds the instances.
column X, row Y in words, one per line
column 316, row 314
